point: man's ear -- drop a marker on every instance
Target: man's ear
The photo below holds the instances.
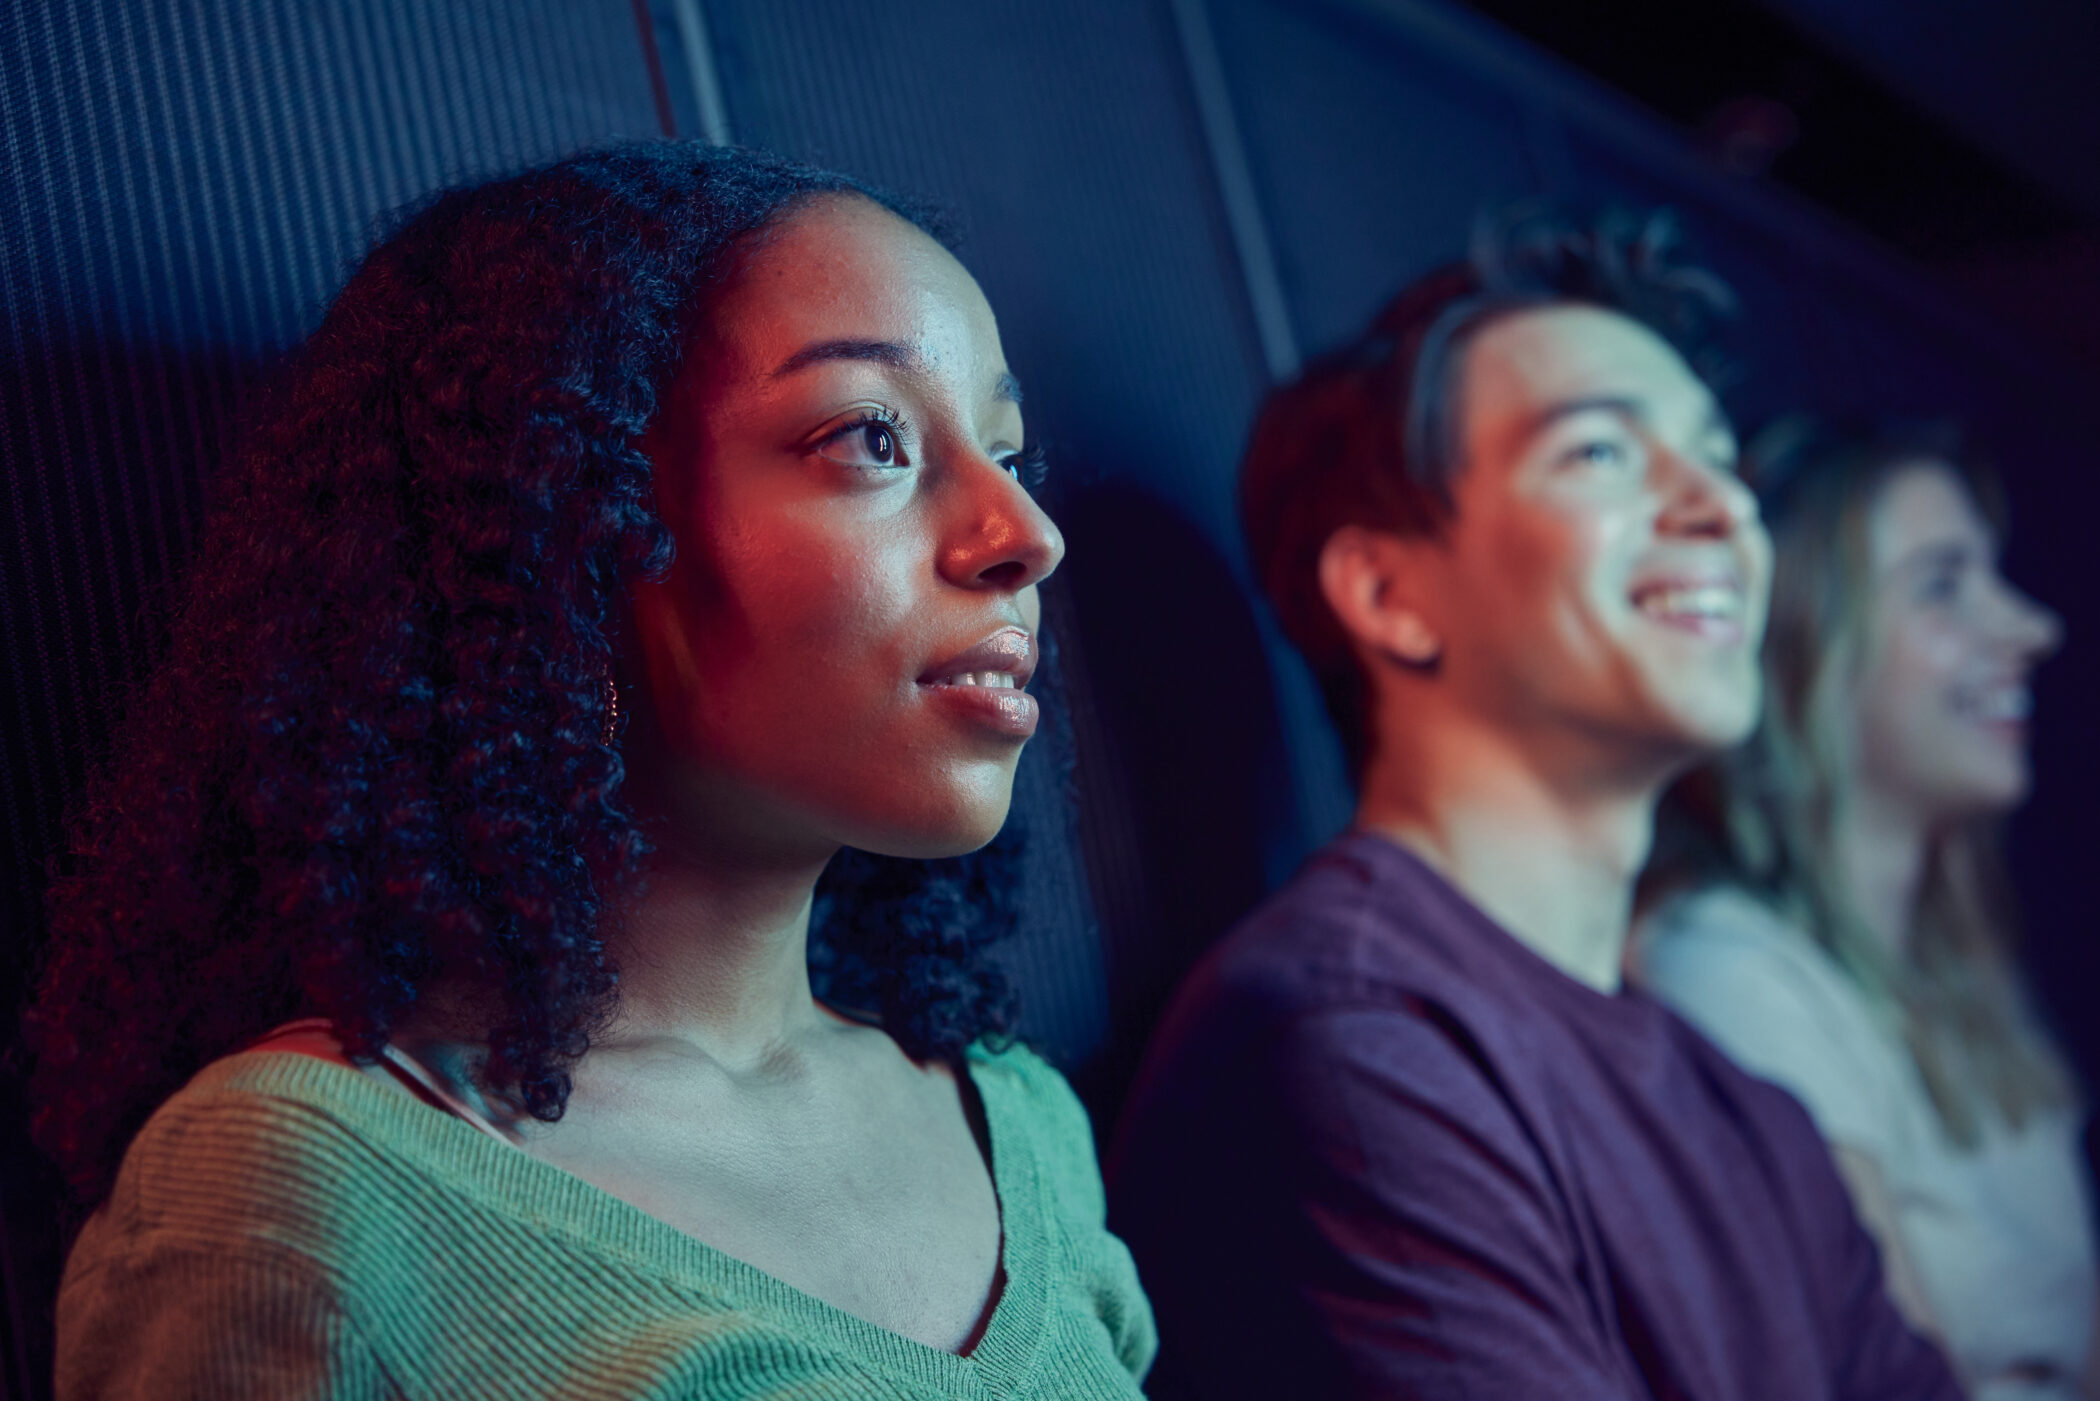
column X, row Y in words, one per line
column 1373, row 581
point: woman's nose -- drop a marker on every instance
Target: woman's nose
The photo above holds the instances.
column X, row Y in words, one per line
column 1005, row 540
column 2035, row 628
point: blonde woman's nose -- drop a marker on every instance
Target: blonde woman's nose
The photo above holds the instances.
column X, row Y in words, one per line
column 2035, row 628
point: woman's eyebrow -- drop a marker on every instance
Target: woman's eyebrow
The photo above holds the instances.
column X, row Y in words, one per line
column 1937, row 554
column 1006, row 389
column 881, row 352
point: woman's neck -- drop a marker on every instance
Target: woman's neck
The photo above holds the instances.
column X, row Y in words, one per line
column 1880, row 850
column 716, row 955
column 713, row 953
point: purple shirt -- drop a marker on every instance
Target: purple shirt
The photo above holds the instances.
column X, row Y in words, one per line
column 1382, row 1149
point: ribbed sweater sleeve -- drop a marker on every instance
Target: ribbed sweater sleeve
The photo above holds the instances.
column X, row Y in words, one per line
column 214, row 1325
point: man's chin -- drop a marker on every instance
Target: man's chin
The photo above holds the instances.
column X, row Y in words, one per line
column 1706, row 731
column 1677, row 738
column 1714, row 713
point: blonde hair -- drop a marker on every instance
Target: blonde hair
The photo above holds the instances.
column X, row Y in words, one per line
column 1763, row 817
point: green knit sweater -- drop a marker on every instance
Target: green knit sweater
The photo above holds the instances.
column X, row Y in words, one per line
column 285, row 1227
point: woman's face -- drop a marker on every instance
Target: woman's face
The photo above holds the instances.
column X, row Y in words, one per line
column 837, row 657
column 1942, row 693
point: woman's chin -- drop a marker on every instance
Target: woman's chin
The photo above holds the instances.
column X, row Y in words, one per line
column 1991, row 795
column 954, row 828
column 936, row 845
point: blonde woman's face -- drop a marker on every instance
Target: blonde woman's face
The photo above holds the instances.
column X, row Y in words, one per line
column 1942, row 698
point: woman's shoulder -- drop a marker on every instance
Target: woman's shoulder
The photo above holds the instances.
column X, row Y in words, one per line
column 1723, row 937
column 1757, row 986
column 260, row 1104
column 1720, row 912
column 1017, row 1069
column 1027, row 1098
column 1025, row 1093
column 275, row 1148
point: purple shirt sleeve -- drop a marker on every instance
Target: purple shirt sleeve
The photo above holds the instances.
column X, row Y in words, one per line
column 1433, row 1256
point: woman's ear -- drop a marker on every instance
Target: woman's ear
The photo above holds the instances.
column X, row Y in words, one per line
column 1373, row 581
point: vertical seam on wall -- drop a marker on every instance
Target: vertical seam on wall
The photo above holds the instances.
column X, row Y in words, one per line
column 645, row 29
column 1243, row 216
column 700, row 67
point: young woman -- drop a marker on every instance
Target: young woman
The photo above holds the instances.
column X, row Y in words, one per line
column 634, row 535
column 1834, row 915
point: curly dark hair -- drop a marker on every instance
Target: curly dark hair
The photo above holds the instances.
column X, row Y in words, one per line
column 1368, row 434
column 377, row 747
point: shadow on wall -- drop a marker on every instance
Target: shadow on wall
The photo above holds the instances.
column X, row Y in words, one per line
column 106, row 448
column 1183, row 774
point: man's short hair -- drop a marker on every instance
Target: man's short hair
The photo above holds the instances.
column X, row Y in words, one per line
column 1367, row 434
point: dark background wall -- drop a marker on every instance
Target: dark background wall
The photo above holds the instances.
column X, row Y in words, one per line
column 1168, row 202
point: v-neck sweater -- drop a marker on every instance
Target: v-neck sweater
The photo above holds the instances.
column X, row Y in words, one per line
column 288, row 1227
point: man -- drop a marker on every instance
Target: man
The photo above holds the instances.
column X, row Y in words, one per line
column 1405, row 1132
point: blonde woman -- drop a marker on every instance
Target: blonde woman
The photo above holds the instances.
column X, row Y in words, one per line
column 1830, row 908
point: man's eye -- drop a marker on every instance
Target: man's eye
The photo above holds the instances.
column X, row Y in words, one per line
column 871, row 442
column 1596, row 453
column 1723, row 456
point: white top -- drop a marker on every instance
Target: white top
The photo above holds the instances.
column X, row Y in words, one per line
column 2001, row 1234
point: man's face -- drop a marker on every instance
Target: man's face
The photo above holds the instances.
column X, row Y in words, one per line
column 1604, row 580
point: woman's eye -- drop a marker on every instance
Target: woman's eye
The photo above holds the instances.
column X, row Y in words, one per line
column 1942, row 586
column 870, row 443
column 1028, row 468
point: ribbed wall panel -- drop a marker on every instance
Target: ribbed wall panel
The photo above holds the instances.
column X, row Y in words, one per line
column 186, row 185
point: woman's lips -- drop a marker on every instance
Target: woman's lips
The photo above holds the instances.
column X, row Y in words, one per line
column 2002, row 709
column 1007, row 710
column 984, row 684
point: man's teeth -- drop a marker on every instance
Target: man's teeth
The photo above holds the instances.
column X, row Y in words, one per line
column 1711, row 601
column 996, row 680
